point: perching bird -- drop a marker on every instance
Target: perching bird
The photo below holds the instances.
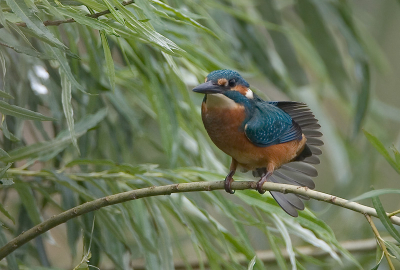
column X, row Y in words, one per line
column 277, row 140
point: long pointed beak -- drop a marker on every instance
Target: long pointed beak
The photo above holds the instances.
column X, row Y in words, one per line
column 208, row 88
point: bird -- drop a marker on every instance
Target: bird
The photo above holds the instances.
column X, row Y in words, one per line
column 277, row 140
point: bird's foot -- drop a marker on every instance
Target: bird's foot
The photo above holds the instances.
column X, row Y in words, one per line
column 261, row 182
column 228, row 182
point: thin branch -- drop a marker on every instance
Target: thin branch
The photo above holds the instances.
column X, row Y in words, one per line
column 394, row 213
column 71, row 20
column 176, row 188
column 380, row 241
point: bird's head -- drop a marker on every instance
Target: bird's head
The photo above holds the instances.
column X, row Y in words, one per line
column 222, row 82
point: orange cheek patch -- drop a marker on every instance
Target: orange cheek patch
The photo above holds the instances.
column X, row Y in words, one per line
column 241, row 89
column 223, row 82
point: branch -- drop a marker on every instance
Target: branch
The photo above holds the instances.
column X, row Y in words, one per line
column 176, row 188
column 380, row 241
column 71, row 20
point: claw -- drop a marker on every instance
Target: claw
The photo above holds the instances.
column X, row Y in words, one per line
column 260, row 185
column 261, row 182
column 228, row 182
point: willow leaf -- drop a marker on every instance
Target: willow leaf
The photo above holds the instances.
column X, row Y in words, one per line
column 23, row 113
column 67, row 107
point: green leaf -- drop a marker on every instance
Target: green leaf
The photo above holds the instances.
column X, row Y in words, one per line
column 4, row 170
column 324, row 42
column 393, row 248
column 47, row 150
column 7, row 133
column 3, row 153
column 3, row 20
column 67, row 107
column 363, row 98
column 252, row 263
column 28, row 200
column 16, row 111
column 11, row 259
column 5, row 212
column 375, row 193
column 65, row 66
column 382, row 150
column 114, row 12
column 20, row 8
column 385, row 219
column 109, row 60
column 396, row 155
column 81, row 18
column 4, row 94
column 22, row 49
column 183, row 16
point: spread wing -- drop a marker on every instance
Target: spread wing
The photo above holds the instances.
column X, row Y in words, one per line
column 269, row 125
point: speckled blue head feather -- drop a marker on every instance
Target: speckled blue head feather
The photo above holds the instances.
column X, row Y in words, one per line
column 227, row 74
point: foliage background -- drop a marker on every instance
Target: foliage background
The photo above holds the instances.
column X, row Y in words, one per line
column 118, row 88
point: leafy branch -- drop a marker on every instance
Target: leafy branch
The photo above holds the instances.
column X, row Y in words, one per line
column 380, row 241
column 71, row 20
column 177, row 188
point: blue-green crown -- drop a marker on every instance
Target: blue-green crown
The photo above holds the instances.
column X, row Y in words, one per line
column 227, row 74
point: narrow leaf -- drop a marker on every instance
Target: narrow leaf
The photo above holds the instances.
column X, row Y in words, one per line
column 47, row 150
column 11, row 260
column 67, row 107
column 393, row 248
column 375, row 193
column 109, row 60
column 5, row 212
column 4, row 94
column 20, row 8
column 85, row 20
column 252, row 263
column 385, row 219
column 65, row 66
column 16, row 111
column 381, row 149
column 28, row 200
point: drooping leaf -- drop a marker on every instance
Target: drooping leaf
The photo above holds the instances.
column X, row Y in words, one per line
column 23, row 113
column 67, row 107
column 376, row 193
column 381, row 149
column 20, row 8
column 109, row 60
column 4, row 94
column 385, row 219
column 46, row 150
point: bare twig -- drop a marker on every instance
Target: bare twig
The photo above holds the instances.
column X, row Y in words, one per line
column 394, row 213
column 176, row 188
column 71, row 20
column 380, row 241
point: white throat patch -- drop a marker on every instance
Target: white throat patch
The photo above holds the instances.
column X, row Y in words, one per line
column 220, row 101
column 249, row 94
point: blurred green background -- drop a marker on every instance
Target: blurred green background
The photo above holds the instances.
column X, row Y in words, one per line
column 118, row 91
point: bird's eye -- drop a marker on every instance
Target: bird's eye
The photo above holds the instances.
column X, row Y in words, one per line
column 232, row 82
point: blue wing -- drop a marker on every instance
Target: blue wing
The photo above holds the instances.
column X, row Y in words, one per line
column 269, row 125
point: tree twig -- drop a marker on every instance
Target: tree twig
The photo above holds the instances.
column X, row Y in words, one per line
column 394, row 213
column 380, row 241
column 71, row 20
column 176, row 188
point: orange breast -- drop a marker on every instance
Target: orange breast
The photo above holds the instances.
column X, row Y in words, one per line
column 224, row 126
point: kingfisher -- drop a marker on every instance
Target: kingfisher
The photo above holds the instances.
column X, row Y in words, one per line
column 277, row 140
